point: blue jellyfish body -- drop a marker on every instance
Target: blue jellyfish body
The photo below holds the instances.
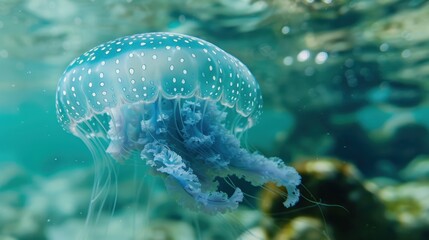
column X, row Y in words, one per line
column 178, row 103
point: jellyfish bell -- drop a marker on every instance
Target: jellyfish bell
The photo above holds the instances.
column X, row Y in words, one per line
column 177, row 104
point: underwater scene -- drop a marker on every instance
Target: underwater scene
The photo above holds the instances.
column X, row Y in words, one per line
column 214, row 119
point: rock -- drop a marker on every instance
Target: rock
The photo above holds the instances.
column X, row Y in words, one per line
column 417, row 169
column 334, row 204
column 63, row 195
column 15, row 221
column 408, row 208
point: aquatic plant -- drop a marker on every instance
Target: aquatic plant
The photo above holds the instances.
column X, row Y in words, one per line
column 176, row 102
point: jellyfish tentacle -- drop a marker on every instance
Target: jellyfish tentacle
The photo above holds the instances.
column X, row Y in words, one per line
column 164, row 150
column 259, row 170
column 166, row 161
column 254, row 167
column 226, row 157
column 191, row 145
column 200, row 141
column 124, row 131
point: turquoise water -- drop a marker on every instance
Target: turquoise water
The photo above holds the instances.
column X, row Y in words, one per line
column 343, row 80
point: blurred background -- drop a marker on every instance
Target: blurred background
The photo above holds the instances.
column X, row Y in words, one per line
column 345, row 86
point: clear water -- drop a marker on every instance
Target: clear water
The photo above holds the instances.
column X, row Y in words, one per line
column 324, row 68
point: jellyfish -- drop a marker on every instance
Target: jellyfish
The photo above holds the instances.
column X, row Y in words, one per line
column 179, row 105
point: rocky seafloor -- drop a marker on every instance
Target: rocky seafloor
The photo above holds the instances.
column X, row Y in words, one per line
column 337, row 203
